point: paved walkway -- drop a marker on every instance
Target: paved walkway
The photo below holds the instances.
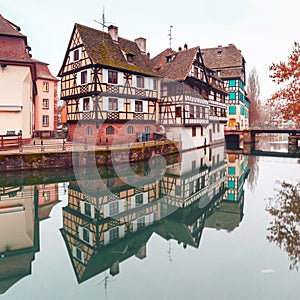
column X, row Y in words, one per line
column 59, row 145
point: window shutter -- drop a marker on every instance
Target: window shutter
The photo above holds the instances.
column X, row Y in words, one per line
column 105, row 103
column 145, row 198
column 105, row 75
column 132, row 105
column 80, row 231
column 90, row 238
column 121, row 231
column 147, row 83
column 120, row 78
column 120, row 104
column 145, row 106
column 134, row 80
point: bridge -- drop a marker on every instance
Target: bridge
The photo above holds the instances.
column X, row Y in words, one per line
column 248, row 135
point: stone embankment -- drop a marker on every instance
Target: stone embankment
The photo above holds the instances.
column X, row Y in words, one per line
column 51, row 154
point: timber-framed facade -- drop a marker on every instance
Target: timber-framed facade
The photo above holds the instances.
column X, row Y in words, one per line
column 192, row 97
column 109, row 87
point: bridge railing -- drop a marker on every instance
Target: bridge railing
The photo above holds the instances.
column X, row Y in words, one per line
column 274, row 126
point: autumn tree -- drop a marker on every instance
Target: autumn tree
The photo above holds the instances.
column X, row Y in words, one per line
column 253, row 91
column 287, row 76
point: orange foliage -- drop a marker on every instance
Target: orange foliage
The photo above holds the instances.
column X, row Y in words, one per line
column 287, row 75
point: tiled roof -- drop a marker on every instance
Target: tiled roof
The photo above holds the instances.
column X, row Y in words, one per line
column 12, row 43
column 179, row 66
column 224, row 58
column 8, row 28
column 43, row 72
column 103, row 50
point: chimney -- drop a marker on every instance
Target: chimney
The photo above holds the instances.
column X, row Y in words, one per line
column 185, row 46
column 141, row 42
column 113, row 32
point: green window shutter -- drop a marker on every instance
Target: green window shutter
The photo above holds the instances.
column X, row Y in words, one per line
column 232, row 82
column 231, row 170
column 230, row 197
column 230, row 184
column 232, row 110
column 232, row 96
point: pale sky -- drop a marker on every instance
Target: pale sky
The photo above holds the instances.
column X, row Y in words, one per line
column 264, row 30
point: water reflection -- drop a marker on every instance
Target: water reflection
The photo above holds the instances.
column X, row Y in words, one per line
column 107, row 220
column 21, row 209
column 284, row 230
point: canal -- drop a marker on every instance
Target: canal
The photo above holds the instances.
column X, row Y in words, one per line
column 206, row 224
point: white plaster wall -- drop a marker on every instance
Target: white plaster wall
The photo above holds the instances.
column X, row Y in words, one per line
column 16, row 100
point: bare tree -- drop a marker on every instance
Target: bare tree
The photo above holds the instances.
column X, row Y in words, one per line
column 253, row 92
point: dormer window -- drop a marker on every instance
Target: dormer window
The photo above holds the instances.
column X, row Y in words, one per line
column 169, row 58
column 219, row 52
column 196, row 72
column 129, row 57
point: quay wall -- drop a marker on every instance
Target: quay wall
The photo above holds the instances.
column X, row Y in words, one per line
column 68, row 159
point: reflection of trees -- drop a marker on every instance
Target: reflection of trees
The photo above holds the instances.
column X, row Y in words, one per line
column 285, row 228
column 253, row 172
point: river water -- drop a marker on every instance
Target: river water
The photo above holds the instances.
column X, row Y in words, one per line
column 202, row 225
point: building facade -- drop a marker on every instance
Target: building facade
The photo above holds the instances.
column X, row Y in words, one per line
column 192, row 98
column 109, row 88
column 20, row 91
column 229, row 63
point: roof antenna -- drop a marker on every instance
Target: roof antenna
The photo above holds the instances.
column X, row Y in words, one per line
column 170, row 36
column 103, row 20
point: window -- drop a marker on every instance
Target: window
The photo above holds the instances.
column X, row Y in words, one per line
column 45, row 121
column 110, row 182
column 86, row 235
column 113, row 77
column 192, row 112
column 138, row 106
column 232, row 110
column 219, row 72
column 197, row 111
column 89, row 130
column 139, row 199
column 78, row 254
column 193, row 131
column 86, row 104
column 76, row 55
column 193, row 165
column 219, row 52
column 154, row 84
column 46, row 195
column 45, row 86
column 140, row 82
column 113, row 208
column 141, row 223
column 147, row 129
column 114, row 234
column 45, row 103
column 83, row 77
column 230, row 184
column 112, row 103
column 129, row 57
column 232, row 122
column 88, row 209
column 110, row 130
column 130, row 129
column 178, row 111
column 196, row 72
column 232, row 96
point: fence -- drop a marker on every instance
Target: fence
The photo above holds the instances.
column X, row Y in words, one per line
column 10, row 141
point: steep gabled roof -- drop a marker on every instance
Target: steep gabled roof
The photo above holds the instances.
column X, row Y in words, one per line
column 178, row 67
column 8, row 28
column 104, row 51
column 43, row 72
column 228, row 58
column 13, row 44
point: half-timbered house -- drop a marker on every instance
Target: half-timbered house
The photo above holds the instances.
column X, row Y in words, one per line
column 192, row 97
column 229, row 64
column 109, row 87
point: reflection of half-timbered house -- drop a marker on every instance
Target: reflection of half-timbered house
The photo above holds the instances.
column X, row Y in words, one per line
column 106, row 78
column 192, row 98
column 101, row 225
